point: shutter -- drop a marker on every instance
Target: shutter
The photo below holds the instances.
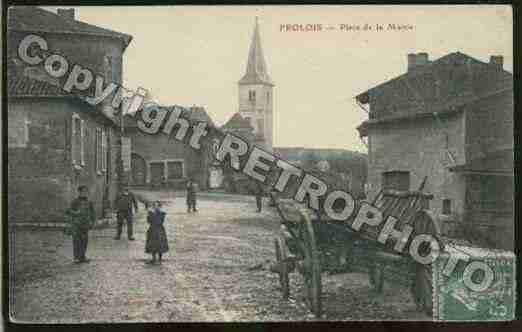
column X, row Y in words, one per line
column 27, row 122
column 104, row 150
column 73, row 135
column 97, row 150
column 82, row 136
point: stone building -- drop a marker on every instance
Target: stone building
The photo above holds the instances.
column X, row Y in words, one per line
column 348, row 169
column 159, row 160
column 256, row 93
column 240, row 127
column 57, row 141
column 232, row 180
column 450, row 120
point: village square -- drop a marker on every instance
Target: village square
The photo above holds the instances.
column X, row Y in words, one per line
column 161, row 214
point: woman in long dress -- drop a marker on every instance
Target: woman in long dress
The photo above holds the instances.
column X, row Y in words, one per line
column 157, row 242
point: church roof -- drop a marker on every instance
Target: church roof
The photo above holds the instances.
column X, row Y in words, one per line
column 237, row 122
column 198, row 113
column 192, row 113
column 256, row 70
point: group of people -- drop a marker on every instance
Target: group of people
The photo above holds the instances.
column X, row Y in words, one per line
column 156, row 241
column 81, row 217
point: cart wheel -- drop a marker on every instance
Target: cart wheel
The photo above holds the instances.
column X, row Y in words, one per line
column 376, row 278
column 311, row 266
column 281, row 257
column 425, row 223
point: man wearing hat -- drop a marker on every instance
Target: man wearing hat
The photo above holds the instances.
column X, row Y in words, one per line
column 124, row 204
column 80, row 217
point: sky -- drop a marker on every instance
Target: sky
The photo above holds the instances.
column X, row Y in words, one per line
column 194, row 55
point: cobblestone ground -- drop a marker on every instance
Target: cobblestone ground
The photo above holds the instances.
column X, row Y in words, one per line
column 215, row 271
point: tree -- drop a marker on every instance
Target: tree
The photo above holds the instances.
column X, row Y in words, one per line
column 310, row 160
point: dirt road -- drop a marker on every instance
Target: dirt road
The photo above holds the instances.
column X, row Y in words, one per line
column 215, row 271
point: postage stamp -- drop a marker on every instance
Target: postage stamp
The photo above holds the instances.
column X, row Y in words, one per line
column 326, row 163
column 455, row 301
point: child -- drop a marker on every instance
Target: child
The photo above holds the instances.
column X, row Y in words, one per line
column 157, row 242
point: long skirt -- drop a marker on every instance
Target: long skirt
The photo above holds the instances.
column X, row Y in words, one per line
column 157, row 241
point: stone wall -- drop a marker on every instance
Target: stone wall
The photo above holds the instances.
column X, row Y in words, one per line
column 259, row 109
column 42, row 178
column 419, row 147
column 489, row 125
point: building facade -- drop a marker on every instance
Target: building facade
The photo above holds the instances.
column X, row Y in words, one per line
column 162, row 161
column 439, row 121
column 256, row 93
column 57, row 141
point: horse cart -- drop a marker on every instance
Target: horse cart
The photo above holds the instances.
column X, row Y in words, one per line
column 311, row 244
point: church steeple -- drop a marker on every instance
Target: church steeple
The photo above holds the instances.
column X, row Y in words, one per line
column 256, row 71
column 256, row 94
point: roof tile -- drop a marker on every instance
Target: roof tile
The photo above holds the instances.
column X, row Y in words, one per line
column 30, row 18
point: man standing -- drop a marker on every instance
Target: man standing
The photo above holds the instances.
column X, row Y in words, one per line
column 259, row 197
column 124, row 203
column 80, row 218
column 192, row 188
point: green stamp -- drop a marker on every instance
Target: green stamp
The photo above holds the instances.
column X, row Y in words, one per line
column 481, row 286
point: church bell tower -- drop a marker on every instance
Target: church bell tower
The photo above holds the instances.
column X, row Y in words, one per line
column 256, row 93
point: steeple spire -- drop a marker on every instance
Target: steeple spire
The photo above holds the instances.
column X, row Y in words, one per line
column 256, row 72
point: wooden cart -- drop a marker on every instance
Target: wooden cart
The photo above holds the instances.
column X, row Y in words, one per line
column 310, row 244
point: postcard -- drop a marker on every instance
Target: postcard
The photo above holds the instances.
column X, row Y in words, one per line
column 260, row 163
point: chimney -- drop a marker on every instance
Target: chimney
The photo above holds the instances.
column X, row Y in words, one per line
column 497, row 61
column 411, row 61
column 66, row 13
column 422, row 59
column 417, row 60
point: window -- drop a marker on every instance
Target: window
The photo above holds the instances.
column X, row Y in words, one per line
column 19, row 127
column 446, row 206
column 108, row 68
column 157, row 171
column 162, row 170
column 77, row 136
column 397, row 180
column 252, row 95
column 175, row 169
column 112, row 66
column 268, row 96
column 235, row 164
column 260, row 126
column 495, row 193
column 437, row 89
